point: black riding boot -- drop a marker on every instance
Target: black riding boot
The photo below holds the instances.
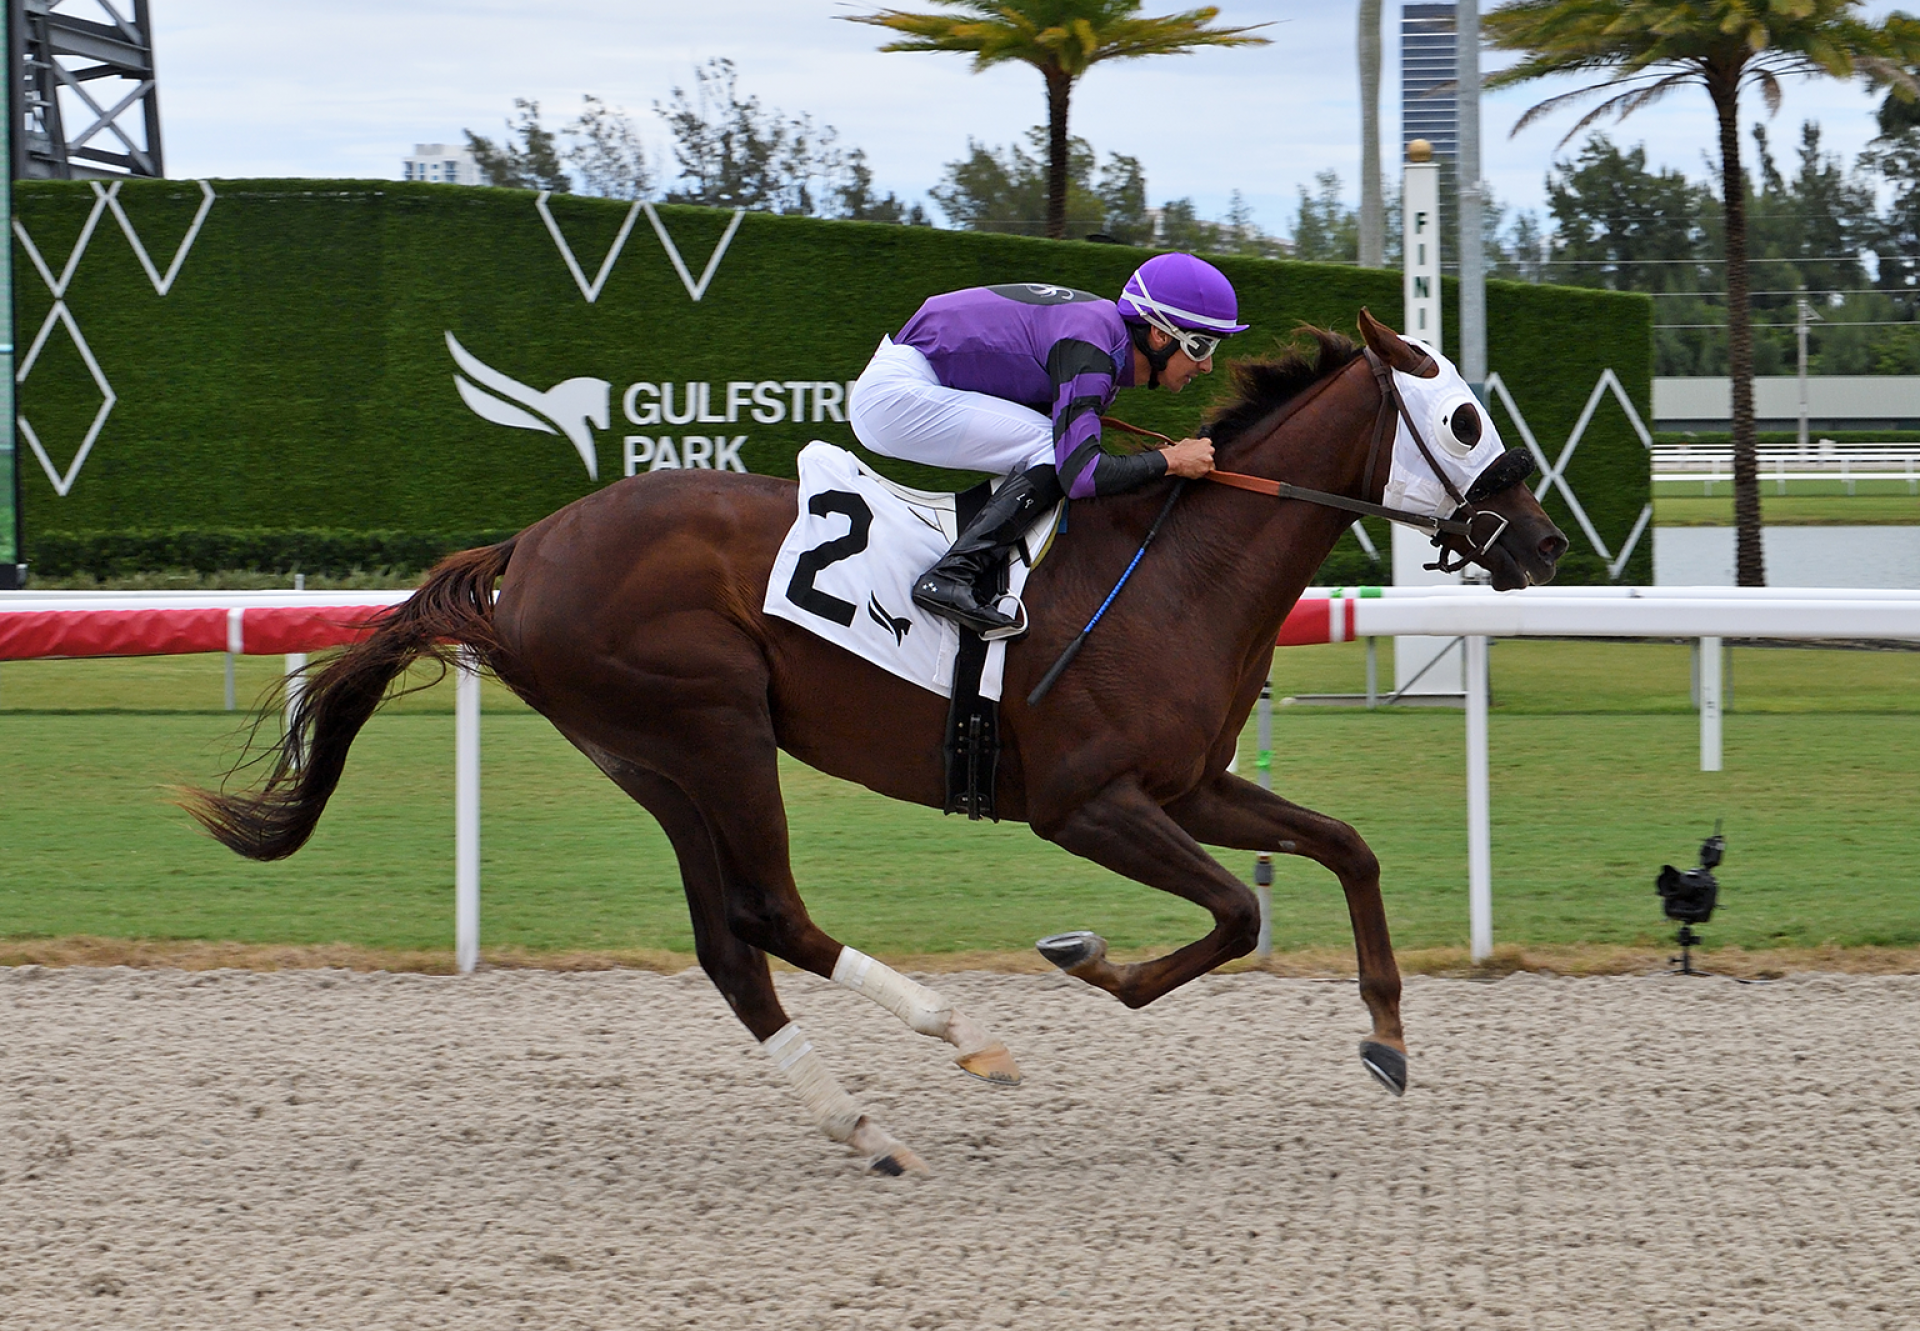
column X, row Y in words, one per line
column 946, row 589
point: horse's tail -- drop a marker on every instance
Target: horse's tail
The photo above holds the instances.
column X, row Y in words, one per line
column 454, row 607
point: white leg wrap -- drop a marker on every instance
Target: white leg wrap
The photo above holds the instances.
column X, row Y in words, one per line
column 832, row 1108
column 915, row 1004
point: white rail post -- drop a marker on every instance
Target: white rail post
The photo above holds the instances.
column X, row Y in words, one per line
column 1709, row 704
column 236, row 643
column 1479, row 818
column 1263, row 862
column 296, row 682
column 466, row 814
column 296, row 685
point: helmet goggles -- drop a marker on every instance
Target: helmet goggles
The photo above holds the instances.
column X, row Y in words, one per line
column 1198, row 346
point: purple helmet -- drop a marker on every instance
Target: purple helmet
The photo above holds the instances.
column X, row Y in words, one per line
column 1172, row 291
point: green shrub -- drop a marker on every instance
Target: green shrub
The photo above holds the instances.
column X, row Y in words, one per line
column 332, row 552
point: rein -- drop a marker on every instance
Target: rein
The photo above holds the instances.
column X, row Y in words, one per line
column 1390, row 403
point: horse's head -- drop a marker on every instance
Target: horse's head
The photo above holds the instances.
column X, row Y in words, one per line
column 1508, row 534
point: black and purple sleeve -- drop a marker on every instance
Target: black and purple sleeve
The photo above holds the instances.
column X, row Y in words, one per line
column 1083, row 384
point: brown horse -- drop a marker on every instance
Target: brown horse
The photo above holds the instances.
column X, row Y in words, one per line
column 632, row 620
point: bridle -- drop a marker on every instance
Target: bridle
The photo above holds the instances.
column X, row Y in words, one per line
column 1466, row 520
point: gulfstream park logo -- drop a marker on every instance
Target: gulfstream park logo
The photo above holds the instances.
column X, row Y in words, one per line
column 574, row 408
column 568, row 408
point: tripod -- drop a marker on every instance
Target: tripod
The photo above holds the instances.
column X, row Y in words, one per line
column 1687, row 939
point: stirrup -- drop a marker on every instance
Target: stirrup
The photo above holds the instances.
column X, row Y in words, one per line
column 1017, row 629
column 954, row 614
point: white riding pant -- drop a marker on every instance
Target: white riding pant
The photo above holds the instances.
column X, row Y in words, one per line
column 900, row 409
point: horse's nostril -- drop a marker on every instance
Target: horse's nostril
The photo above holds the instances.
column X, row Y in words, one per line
column 1553, row 545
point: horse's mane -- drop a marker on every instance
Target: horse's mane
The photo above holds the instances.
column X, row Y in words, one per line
column 1262, row 385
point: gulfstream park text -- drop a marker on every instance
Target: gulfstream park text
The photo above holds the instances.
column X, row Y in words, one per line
column 767, row 401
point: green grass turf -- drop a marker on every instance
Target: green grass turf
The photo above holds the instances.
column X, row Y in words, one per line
column 1807, row 504
column 1595, row 783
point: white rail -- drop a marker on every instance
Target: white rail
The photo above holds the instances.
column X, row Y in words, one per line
column 1709, row 614
column 1713, row 466
column 466, row 814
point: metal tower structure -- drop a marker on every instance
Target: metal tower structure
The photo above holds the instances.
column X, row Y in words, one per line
column 86, row 105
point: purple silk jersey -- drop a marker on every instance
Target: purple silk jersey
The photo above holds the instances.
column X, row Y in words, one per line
column 1062, row 352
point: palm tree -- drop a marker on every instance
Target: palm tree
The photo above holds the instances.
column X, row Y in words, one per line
column 1062, row 39
column 1373, row 208
column 1647, row 49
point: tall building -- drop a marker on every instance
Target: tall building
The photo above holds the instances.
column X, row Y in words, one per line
column 442, row 164
column 1429, row 80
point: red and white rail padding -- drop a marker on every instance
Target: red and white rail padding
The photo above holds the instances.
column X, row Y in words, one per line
column 79, row 624
column 1317, row 619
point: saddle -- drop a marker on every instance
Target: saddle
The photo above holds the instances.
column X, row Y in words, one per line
column 845, row 573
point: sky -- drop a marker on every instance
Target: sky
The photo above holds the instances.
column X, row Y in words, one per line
column 334, row 88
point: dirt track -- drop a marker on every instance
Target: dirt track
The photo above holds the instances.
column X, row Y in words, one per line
column 230, row 1149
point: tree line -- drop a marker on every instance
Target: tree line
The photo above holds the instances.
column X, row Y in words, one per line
column 728, row 149
column 1816, row 227
column 1816, row 231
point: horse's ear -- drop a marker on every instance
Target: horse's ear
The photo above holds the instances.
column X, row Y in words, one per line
column 1389, row 347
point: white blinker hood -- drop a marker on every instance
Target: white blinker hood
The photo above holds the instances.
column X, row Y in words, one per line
column 1432, row 403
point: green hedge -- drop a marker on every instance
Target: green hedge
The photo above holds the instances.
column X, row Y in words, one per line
column 297, row 376
column 334, row 553
column 256, row 549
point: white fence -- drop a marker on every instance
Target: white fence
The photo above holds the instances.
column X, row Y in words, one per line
column 38, row 624
column 1708, row 614
column 1826, row 461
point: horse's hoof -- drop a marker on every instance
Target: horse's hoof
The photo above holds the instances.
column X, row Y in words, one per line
column 900, row 1160
column 1387, row 1064
column 992, row 1064
column 1073, row 949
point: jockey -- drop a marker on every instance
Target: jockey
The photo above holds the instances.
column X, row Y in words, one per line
column 1012, row 380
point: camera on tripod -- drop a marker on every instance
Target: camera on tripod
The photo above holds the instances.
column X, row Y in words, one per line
column 1689, row 896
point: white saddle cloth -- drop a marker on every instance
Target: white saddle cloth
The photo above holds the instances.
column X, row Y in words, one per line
column 847, row 568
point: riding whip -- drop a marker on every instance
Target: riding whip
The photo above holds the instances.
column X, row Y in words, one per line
column 1048, row 680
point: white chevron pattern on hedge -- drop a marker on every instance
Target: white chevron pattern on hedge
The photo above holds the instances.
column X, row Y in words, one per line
column 591, row 290
column 104, row 200
column 161, row 285
column 1555, row 472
